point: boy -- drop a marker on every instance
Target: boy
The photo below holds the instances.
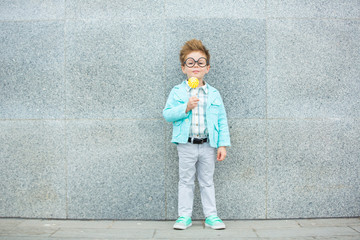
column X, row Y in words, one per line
column 199, row 127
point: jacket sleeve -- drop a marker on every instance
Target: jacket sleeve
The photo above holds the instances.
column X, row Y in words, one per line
column 224, row 135
column 174, row 110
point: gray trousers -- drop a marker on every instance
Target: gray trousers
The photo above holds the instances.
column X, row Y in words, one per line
column 196, row 159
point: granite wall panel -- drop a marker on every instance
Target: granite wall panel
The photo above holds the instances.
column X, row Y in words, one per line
column 33, row 169
column 32, row 70
column 313, row 168
column 114, row 68
column 215, row 9
column 242, row 177
column 83, row 84
column 31, row 10
column 313, row 68
column 336, row 9
column 116, row 169
column 113, row 9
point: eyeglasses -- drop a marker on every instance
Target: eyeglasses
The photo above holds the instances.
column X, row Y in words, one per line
column 190, row 62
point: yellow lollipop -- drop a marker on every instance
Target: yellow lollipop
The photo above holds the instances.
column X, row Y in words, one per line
column 193, row 82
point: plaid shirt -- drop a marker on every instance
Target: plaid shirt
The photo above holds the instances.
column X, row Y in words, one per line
column 198, row 120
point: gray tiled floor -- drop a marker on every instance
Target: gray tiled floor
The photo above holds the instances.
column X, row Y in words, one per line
column 339, row 228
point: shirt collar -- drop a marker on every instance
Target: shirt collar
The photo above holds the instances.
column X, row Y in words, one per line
column 204, row 88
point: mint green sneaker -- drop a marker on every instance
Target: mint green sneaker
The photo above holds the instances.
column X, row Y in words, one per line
column 183, row 223
column 214, row 222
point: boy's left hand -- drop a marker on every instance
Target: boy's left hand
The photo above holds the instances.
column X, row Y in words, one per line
column 221, row 153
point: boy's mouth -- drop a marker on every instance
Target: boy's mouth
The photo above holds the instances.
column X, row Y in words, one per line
column 196, row 72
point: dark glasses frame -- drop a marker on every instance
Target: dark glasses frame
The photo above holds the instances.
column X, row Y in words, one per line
column 196, row 62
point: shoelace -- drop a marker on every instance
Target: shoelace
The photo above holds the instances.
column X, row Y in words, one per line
column 181, row 219
column 214, row 219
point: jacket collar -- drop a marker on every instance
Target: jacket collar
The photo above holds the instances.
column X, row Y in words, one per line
column 203, row 88
column 184, row 85
column 183, row 95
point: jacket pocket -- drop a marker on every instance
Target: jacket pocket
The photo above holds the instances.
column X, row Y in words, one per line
column 214, row 107
column 176, row 128
column 216, row 133
column 216, row 126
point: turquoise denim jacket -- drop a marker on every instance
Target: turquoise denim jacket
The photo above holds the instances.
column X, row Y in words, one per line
column 216, row 120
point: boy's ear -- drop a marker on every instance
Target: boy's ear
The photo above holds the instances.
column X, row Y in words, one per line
column 208, row 68
column 183, row 69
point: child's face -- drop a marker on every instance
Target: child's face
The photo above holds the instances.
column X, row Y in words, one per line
column 196, row 70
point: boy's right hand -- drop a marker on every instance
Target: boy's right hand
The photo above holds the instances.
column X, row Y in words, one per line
column 193, row 102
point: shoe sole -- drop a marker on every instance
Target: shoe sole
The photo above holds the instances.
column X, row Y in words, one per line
column 183, row 228
column 215, row 228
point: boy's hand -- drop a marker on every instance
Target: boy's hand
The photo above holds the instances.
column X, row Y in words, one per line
column 221, row 153
column 193, row 102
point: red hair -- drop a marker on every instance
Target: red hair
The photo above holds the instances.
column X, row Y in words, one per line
column 193, row 45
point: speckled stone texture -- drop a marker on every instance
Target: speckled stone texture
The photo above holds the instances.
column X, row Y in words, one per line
column 314, row 168
column 313, row 68
column 113, row 71
column 116, row 169
column 83, row 84
column 32, row 70
column 114, row 9
column 215, row 9
column 33, row 169
column 32, row 10
column 313, row 9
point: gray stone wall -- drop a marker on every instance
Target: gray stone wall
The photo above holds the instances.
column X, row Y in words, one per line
column 83, row 84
